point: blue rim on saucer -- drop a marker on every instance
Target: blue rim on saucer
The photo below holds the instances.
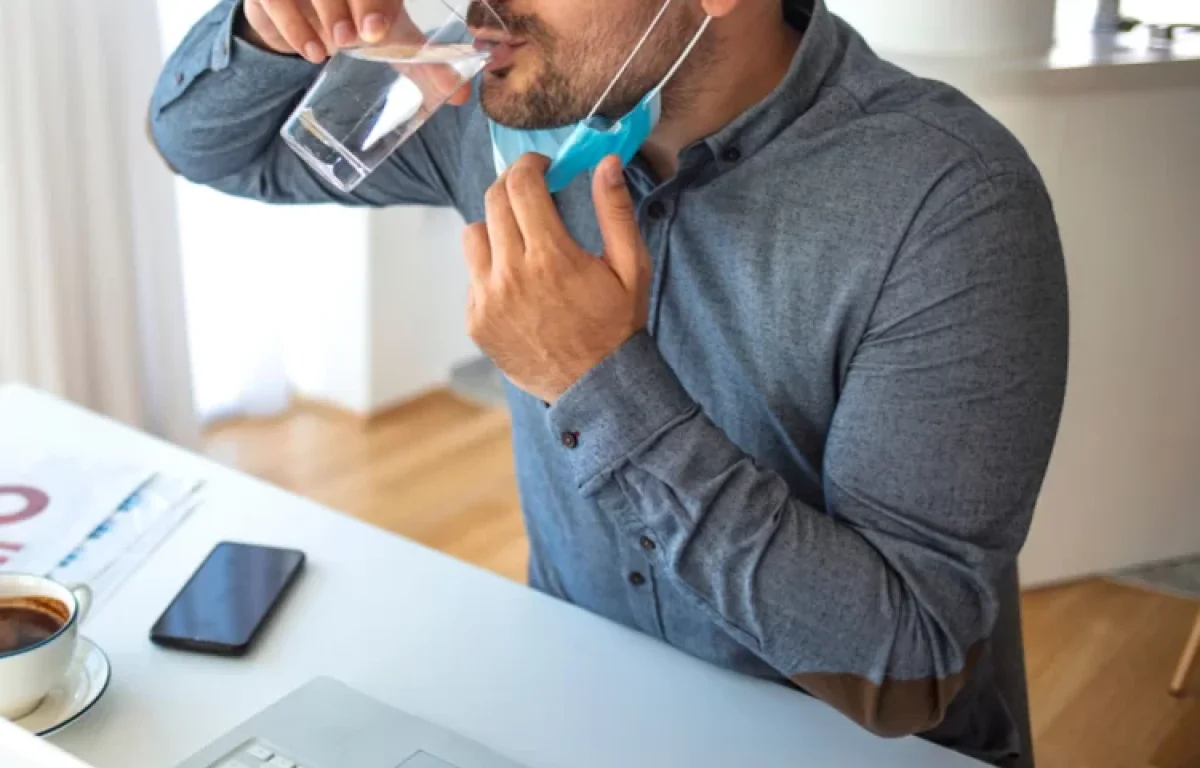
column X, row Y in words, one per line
column 87, row 649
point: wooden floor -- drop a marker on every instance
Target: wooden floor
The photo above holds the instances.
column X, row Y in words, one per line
column 440, row 471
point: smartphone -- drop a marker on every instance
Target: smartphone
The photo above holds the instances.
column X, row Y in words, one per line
column 229, row 599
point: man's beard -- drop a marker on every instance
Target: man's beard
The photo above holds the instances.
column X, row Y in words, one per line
column 571, row 80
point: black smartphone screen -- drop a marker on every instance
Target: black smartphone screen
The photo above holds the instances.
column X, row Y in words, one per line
column 228, row 598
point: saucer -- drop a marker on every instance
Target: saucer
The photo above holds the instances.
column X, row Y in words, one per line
column 86, row 681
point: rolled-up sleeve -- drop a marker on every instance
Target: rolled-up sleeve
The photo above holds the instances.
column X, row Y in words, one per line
column 220, row 102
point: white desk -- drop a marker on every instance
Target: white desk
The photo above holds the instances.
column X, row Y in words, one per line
column 545, row 683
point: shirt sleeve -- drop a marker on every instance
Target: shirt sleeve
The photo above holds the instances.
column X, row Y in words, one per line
column 880, row 602
column 219, row 104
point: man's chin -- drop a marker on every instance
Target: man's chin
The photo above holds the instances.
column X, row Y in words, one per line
column 497, row 100
column 512, row 111
column 511, row 98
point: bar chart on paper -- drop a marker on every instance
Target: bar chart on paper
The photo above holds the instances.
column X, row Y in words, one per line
column 83, row 519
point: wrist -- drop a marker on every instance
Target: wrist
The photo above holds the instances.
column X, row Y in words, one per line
column 566, row 375
column 630, row 397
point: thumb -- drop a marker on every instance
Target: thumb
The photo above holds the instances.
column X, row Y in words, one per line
column 624, row 250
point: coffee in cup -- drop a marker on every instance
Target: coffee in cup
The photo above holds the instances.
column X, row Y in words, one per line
column 39, row 630
column 27, row 621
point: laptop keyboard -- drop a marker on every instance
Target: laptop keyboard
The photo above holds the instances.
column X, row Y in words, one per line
column 255, row 754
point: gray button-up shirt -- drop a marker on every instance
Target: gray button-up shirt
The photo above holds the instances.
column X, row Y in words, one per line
column 818, row 463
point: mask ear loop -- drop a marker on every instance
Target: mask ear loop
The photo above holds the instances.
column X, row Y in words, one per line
column 683, row 56
column 637, row 48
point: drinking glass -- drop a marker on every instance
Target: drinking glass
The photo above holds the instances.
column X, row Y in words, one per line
column 369, row 100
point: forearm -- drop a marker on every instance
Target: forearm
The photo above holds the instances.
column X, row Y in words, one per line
column 843, row 611
column 221, row 101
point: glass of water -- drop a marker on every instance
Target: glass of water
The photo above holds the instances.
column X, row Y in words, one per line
column 369, row 100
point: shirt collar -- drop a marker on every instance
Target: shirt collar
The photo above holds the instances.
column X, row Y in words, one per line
column 815, row 60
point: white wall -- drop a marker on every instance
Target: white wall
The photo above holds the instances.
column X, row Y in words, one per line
column 1119, row 147
column 278, row 298
column 1123, row 167
column 1120, row 150
column 326, row 310
column 418, row 302
column 376, row 304
column 953, row 27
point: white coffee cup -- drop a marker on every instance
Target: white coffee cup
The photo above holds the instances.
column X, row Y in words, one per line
column 28, row 673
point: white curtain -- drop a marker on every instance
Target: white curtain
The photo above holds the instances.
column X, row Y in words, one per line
column 240, row 278
column 91, row 304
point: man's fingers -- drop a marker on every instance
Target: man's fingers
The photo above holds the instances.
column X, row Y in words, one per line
column 448, row 83
column 438, row 83
column 461, row 96
column 419, row 76
column 624, row 249
column 532, row 204
column 504, row 235
column 479, row 268
column 290, row 21
column 314, row 21
column 478, row 251
column 335, row 22
column 374, row 18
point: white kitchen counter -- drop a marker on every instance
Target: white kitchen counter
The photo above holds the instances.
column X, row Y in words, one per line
column 1081, row 62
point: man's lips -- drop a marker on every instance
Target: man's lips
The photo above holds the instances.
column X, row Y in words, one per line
column 502, row 49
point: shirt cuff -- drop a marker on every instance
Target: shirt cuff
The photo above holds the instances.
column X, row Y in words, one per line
column 627, row 400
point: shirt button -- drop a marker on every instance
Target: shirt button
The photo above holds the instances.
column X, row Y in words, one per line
column 657, row 210
column 637, row 579
column 647, row 543
column 178, row 78
column 570, row 439
column 731, row 154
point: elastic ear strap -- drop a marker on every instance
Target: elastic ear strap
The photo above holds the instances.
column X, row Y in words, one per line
column 620, row 72
column 683, row 57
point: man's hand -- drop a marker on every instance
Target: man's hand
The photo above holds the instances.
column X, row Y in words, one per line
column 541, row 307
column 316, row 28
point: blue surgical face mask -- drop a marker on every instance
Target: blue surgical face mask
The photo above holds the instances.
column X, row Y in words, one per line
column 578, row 148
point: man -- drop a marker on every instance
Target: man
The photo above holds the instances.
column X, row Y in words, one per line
column 783, row 391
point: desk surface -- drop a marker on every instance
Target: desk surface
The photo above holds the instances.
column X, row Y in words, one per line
column 538, row 680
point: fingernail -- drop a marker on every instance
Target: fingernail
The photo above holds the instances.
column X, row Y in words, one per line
column 343, row 34
column 314, row 51
column 374, row 27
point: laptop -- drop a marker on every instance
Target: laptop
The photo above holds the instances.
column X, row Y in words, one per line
column 21, row 749
column 323, row 724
